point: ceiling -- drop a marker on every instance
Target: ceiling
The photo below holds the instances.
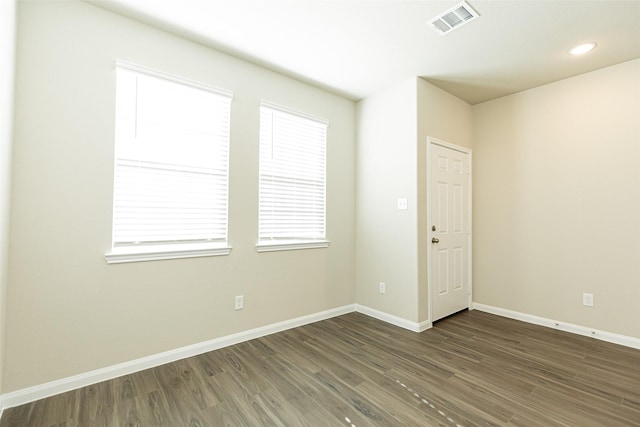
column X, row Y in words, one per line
column 356, row 47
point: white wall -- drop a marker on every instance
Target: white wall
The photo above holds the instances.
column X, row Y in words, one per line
column 393, row 127
column 65, row 302
column 556, row 200
column 555, row 205
column 447, row 118
column 7, row 68
column 386, row 243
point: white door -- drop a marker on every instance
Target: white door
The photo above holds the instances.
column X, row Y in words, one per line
column 450, row 229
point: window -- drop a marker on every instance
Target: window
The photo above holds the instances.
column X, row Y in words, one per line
column 292, row 180
column 171, row 167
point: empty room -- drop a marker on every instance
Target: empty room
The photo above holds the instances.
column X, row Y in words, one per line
column 319, row 213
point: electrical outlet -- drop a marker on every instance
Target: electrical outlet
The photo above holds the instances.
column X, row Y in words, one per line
column 382, row 288
column 587, row 299
column 402, row 204
column 239, row 302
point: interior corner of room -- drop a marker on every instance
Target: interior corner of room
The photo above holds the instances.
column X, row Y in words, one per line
column 552, row 203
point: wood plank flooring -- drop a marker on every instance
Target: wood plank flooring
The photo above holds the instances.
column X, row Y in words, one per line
column 473, row 369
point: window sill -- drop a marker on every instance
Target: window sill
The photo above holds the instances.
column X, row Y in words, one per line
column 160, row 252
column 290, row 245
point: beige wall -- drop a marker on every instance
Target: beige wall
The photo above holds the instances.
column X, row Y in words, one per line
column 65, row 303
column 447, row 118
column 556, row 200
column 7, row 66
column 393, row 127
column 386, row 170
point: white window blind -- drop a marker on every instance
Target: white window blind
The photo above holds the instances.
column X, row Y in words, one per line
column 292, row 176
column 171, row 160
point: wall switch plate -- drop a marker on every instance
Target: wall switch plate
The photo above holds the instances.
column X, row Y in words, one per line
column 239, row 302
column 382, row 288
column 402, row 204
column 587, row 299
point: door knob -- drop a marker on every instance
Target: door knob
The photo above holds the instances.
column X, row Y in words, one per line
column 435, row 240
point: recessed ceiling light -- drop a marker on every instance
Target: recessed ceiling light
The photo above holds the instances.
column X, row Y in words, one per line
column 582, row 48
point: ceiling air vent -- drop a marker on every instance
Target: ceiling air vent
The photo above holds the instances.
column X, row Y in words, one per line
column 454, row 18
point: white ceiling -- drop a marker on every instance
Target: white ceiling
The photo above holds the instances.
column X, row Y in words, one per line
column 356, row 48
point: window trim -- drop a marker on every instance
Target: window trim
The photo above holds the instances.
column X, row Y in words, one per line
column 274, row 245
column 124, row 254
column 172, row 77
column 151, row 252
column 288, row 245
column 300, row 114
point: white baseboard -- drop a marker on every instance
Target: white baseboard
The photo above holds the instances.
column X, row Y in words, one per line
column 41, row 391
column 30, row 394
column 563, row 326
column 394, row 320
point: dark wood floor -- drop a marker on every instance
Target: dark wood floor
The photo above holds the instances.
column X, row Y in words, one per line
column 473, row 369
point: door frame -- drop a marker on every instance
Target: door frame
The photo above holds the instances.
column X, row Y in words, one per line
column 467, row 151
